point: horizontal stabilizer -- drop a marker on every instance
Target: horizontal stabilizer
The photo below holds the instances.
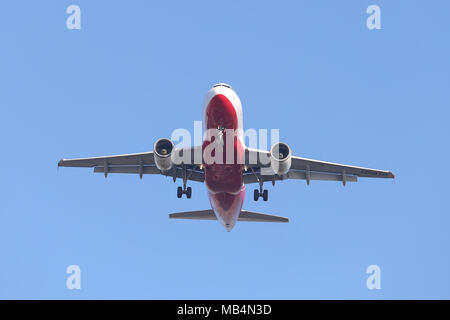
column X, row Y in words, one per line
column 244, row 216
column 194, row 215
column 260, row 217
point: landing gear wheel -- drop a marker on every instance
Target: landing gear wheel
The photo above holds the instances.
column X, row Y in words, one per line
column 188, row 192
column 255, row 195
column 179, row 192
column 265, row 195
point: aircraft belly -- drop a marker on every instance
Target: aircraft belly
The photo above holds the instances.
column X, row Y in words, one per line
column 223, row 176
column 227, row 206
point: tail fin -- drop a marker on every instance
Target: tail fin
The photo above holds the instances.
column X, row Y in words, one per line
column 243, row 216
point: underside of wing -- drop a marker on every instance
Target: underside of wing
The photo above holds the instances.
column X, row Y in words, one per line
column 139, row 163
column 305, row 169
column 336, row 168
column 146, row 158
column 254, row 176
column 192, row 173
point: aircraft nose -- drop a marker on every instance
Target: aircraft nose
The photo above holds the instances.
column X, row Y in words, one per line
column 221, row 112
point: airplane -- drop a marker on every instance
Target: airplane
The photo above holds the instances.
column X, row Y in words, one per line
column 225, row 180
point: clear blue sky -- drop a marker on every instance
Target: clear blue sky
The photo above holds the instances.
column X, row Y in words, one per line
column 137, row 70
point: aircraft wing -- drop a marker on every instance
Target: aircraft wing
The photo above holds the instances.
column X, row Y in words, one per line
column 136, row 163
column 305, row 169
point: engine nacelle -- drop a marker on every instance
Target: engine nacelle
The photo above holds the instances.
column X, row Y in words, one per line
column 280, row 158
column 162, row 151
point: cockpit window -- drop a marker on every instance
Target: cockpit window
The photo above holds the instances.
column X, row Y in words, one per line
column 222, row 85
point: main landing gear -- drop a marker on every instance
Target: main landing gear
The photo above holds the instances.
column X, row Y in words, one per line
column 183, row 190
column 187, row 191
column 260, row 193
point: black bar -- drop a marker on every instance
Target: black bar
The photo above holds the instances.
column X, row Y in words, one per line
column 227, row 309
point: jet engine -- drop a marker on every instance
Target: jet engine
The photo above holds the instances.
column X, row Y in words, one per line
column 280, row 158
column 162, row 151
